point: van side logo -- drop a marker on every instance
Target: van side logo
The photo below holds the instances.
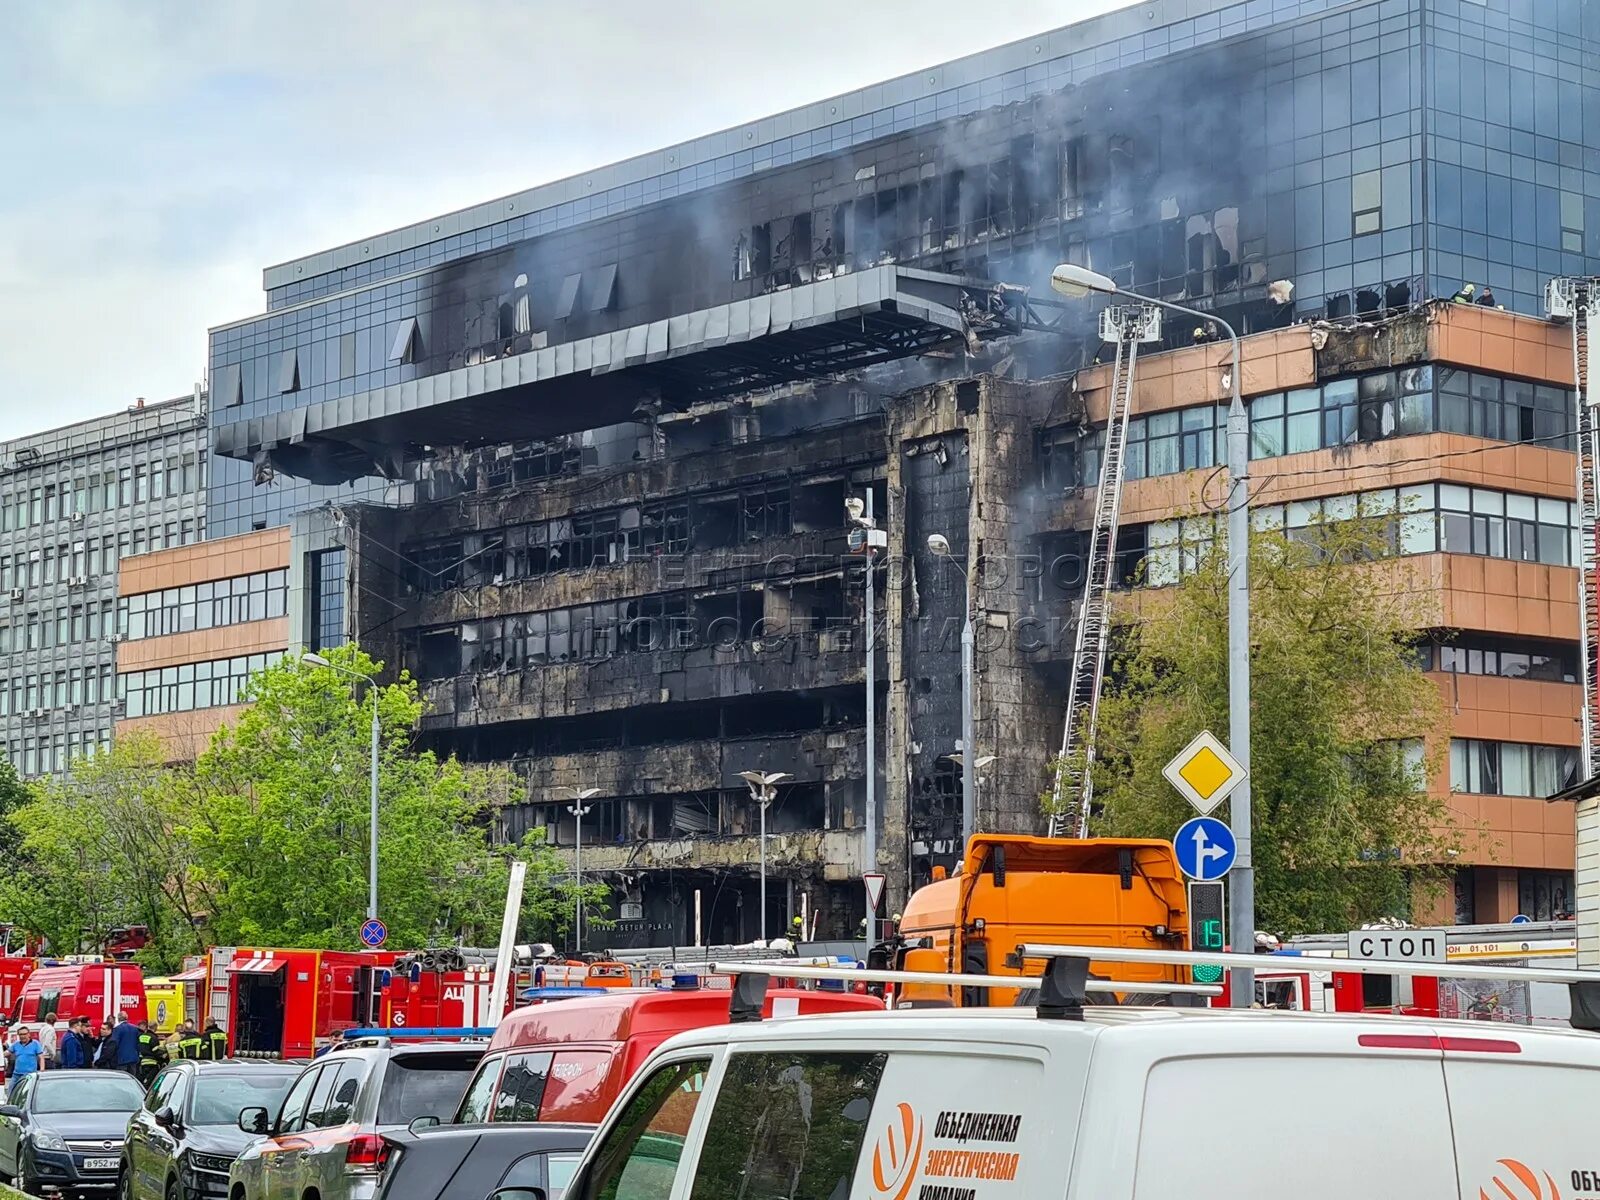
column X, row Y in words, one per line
column 1530, row 1188
column 894, row 1158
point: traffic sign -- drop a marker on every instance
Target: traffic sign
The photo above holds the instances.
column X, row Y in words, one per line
column 874, row 881
column 374, row 933
column 1399, row 945
column 1207, row 926
column 1522, row 919
column 1204, row 773
column 1205, row 848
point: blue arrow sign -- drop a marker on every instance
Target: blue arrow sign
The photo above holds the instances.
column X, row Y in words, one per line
column 1205, row 848
column 374, row 932
column 1522, row 919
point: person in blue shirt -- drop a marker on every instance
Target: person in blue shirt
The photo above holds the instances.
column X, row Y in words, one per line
column 75, row 1051
column 125, row 1046
column 24, row 1058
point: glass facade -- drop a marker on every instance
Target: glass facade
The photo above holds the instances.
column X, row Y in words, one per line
column 189, row 686
column 255, row 597
column 1372, row 155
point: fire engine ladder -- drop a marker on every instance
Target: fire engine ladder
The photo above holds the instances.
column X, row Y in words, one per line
column 1127, row 326
column 1578, row 301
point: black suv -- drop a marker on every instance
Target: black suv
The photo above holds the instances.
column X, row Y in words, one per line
column 185, row 1137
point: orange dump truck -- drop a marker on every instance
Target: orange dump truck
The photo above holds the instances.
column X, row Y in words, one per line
column 1013, row 889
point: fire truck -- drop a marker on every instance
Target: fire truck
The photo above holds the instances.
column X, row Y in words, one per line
column 279, row 1003
column 14, row 972
column 1299, row 976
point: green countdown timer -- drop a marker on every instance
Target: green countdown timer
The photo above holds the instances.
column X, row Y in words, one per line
column 1208, row 930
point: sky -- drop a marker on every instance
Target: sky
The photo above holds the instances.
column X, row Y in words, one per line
column 157, row 155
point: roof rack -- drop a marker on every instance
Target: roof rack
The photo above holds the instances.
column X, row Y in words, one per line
column 1063, row 989
column 1583, row 986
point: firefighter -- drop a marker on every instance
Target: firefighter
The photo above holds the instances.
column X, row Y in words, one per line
column 1464, row 296
column 213, row 1042
column 152, row 1054
column 796, row 930
column 189, row 1041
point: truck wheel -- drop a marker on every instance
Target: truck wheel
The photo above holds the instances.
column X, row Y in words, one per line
column 174, row 1189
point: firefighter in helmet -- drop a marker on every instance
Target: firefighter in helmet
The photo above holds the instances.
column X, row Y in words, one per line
column 189, row 1041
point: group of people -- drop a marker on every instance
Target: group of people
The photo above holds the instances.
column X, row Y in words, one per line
column 128, row 1046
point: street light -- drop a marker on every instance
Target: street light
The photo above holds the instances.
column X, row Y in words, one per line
column 1071, row 280
column 763, row 790
column 939, row 546
column 316, row 660
column 579, row 808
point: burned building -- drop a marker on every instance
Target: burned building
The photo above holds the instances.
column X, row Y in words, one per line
column 578, row 457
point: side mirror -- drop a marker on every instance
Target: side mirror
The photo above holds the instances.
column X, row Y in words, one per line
column 421, row 1123
column 167, row 1119
column 11, row 1110
column 517, row 1193
column 253, row 1120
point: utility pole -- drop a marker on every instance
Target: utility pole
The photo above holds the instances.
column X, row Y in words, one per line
column 579, row 808
column 868, row 539
column 763, row 790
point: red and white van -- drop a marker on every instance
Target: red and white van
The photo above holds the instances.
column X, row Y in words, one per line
column 101, row 991
column 568, row 1061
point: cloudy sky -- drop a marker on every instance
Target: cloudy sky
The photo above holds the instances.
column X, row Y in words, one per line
column 159, row 154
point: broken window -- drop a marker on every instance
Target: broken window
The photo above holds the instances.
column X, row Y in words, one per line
column 438, row 654
column 761, row 250
column 664, row 528
column 818, row 506
column 764, row 513
column 1366, row 203
column 1072, row 177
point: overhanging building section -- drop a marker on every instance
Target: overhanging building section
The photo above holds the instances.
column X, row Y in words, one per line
column 822, row 328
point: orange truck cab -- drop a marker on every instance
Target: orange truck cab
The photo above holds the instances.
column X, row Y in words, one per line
column 1013, row 889
column 569, row 1061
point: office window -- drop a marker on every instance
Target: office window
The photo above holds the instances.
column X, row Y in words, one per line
column 1511, row 768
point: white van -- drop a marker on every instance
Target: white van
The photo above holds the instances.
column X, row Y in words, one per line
column 1126, row 1104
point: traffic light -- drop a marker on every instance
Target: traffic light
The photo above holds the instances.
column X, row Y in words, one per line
column 1207, row 926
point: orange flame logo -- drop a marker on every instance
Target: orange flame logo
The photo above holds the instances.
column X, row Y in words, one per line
column 1530, row 1189
column 894, row 1158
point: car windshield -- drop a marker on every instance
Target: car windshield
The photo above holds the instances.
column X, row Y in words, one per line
column 218, row 1098
column 424, row 1086
column 86, row 1093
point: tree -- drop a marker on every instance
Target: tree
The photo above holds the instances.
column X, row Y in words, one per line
column 1345, row 828
column 280, row 830
column 101, row 847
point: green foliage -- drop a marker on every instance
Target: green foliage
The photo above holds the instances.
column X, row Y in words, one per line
column 99, row 849
column 1345, row 828
column 282, row 837
column 264, row 840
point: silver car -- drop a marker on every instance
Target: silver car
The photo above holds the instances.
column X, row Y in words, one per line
column 326, row 1139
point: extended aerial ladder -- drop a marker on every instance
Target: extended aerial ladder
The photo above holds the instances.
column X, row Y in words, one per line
column 1577, row 301
column 1126, row 325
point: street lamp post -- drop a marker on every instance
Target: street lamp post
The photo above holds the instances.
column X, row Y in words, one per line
column 939, row 545
column 579, row 808
column 1071, row 280
column 316, row 660
column 763, row 790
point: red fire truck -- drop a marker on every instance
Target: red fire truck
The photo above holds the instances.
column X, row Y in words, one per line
column 1304, row 975
column 14, row 972
column 278, row 1003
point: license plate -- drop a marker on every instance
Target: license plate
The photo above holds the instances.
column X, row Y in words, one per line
column 100, row 1164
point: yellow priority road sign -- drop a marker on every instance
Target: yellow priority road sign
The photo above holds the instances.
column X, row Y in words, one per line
column 1204, row 773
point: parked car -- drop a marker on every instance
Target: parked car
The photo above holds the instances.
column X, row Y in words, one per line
column 186, row 1135
column 63, row 1130
column 469, row 1162
column 326, row 1138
